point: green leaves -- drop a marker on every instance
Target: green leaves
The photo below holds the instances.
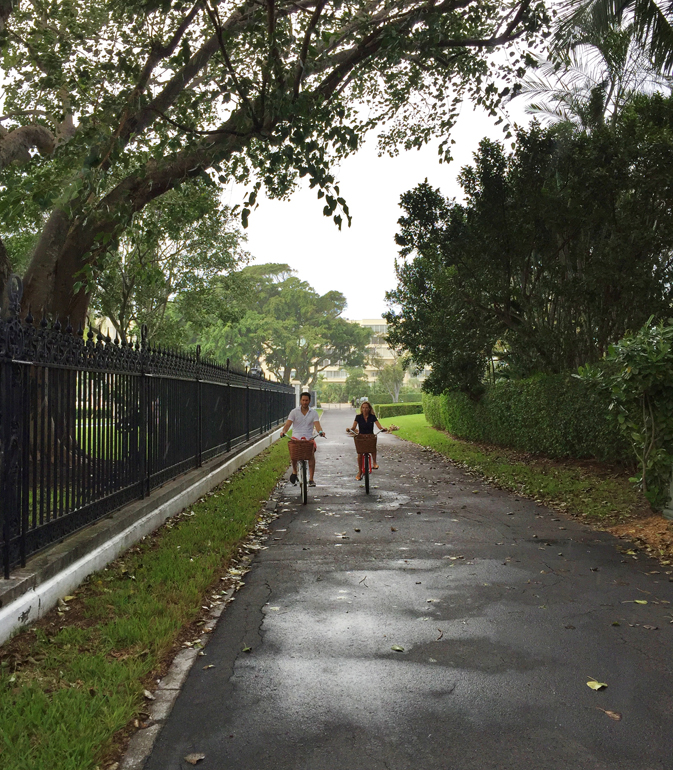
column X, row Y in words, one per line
column 638, row 374
column 514, row 281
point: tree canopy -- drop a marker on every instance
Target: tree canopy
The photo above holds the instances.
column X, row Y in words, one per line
column 297, row 331
column 171, row 266
column 651, row 22
column 560, row 247
column 593, row 76
column 109, row 105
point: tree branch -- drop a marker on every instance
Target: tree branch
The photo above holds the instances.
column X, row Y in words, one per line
column 220, row 41
column 197, row 131
column 304, row 47
column 160, row 52
column 15, row 145
column 508, row 36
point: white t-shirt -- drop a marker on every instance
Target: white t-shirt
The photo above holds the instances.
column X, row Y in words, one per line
column 302, row 424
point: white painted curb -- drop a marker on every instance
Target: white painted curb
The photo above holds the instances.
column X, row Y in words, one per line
column 38, row 601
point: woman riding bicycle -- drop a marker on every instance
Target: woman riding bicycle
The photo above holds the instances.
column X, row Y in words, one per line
column 365, row 422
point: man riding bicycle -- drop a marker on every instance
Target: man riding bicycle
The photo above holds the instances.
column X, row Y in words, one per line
column 303, row 420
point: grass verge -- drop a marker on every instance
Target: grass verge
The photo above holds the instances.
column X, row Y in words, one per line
column 74, row 680
column 601, row 494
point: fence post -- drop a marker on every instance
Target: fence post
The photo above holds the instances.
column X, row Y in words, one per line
column 247, row 410
column 11, row 430
column 144, row 418
column 228, row 412
column 199, row 398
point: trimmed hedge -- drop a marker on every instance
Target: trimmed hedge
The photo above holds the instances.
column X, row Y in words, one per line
column 554, row 415
column 395, row 410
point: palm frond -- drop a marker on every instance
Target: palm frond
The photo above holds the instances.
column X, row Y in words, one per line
column 554, row 114
column 654, row 29
column 652, row 24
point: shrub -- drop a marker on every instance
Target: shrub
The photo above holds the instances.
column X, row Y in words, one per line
column 395, row 410
column 637, row 374
column 554, row 415
column 411, row 398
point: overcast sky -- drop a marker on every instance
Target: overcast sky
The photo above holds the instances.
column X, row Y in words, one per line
column 359, row 261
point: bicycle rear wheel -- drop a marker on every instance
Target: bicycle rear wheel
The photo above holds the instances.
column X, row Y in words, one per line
column 303, row 480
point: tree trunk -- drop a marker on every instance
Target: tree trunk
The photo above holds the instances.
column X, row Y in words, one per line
column 64, row 247
column 5, row 270
column 38, row 282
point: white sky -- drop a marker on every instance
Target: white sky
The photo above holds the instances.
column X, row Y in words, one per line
column 359, row 261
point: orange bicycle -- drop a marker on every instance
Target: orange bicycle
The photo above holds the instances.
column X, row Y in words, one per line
column 365, row 446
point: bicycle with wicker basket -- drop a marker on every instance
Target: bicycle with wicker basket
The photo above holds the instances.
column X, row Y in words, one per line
column 301, row 451
column 365, row 446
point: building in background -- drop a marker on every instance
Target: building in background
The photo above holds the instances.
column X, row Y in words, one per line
column 377, row 349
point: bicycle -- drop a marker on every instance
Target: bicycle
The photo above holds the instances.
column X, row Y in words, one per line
column 301, row 452
column 365, row 446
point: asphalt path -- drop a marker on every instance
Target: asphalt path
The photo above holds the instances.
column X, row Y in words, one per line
column 501, row 608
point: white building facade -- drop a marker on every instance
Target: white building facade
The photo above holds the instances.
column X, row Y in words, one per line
column 377, row 348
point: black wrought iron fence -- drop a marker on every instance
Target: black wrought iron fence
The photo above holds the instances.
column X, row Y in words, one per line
column 88, row 425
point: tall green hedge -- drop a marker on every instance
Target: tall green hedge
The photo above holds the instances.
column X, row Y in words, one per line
column 395, row 410
column 554, row 415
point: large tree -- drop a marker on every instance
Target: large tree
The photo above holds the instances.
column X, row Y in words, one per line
column 289, row 325
column 171, row 266
column 109, row 104
column 561, row 247
column 391, row 377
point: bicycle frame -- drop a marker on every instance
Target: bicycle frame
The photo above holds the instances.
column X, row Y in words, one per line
column 365, row 468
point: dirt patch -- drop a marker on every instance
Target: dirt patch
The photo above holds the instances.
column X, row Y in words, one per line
column 652, row 534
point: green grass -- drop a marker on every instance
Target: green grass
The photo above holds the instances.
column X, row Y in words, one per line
column 595, row 491
column 66, row 689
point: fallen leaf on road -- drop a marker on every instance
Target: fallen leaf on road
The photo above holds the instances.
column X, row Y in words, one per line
column 393, row 529
column 640, row 601
column 247, row 649
column 651, row 628
column 148, row 695
column 441, row 634
column 596, row 685
column 397, row 648
column 210, row 665
column 194, row 758
column 612, row 714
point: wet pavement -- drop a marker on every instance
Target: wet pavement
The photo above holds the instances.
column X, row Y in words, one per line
column 501, row 610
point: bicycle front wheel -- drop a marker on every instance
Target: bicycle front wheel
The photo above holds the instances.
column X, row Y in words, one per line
column 303, row 481
column 366, row 462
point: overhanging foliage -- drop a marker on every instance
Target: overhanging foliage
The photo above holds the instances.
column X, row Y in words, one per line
column 110, row 104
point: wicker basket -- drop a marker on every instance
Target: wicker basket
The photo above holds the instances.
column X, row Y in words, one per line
column 301, row 450
column 365, row 443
